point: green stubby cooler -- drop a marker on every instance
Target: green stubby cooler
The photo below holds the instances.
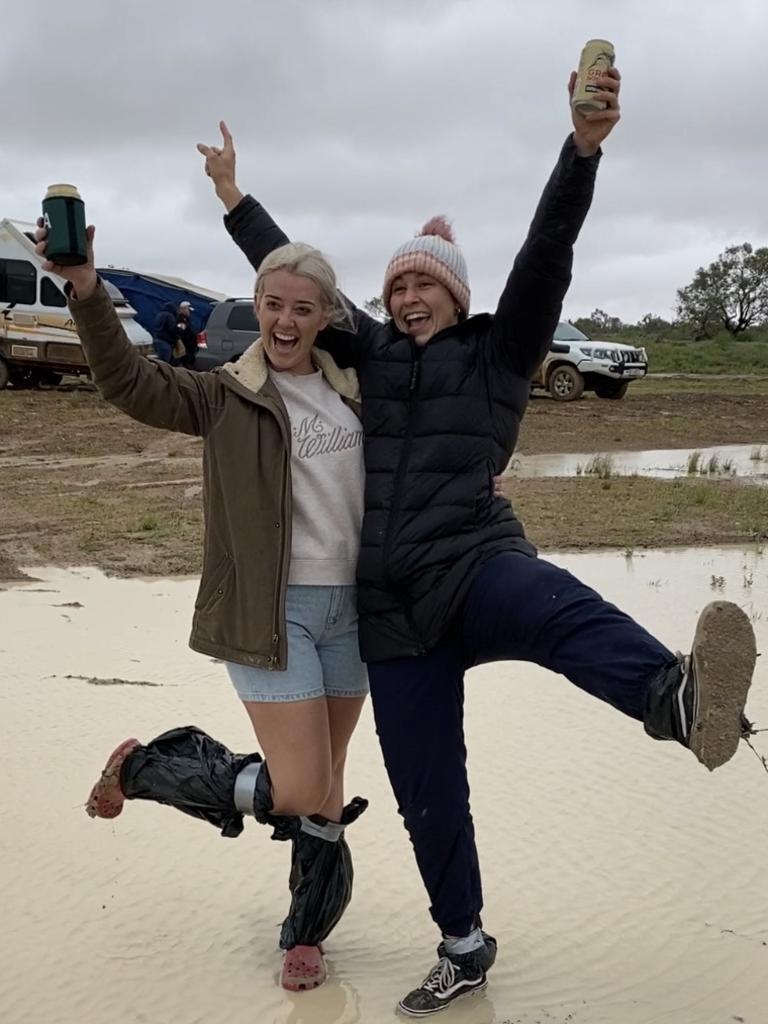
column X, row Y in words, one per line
column 64, row 217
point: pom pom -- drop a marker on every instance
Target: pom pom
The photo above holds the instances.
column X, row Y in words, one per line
column 438, row 226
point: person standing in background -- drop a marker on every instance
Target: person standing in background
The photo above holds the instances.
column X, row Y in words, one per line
column 187, row 335
column 165, row 332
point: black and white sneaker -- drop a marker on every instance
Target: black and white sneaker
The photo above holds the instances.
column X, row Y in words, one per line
column 452, row 978
column 700, row 701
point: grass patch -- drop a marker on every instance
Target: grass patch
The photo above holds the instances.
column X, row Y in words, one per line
column 697, row 464
column 642, row 512
column 707, row 356
column 601, row 466
column 121, row 530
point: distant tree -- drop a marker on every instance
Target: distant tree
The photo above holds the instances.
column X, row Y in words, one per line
column 731, row 293
column 375, row 308
column 604, row 322
column 599, row 323
column 654, row 326
column 584, row 324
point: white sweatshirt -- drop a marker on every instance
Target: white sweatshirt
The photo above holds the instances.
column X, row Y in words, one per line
column 327, row 476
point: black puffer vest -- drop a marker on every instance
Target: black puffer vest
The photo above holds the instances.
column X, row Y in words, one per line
column 439, row 423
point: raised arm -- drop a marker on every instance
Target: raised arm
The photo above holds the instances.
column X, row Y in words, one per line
column 249, row 224
column 255, row 232
column 154, row 393
column 531, row 303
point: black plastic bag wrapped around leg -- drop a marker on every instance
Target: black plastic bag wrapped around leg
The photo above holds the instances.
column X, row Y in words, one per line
column 321, row 877
column 187, row 769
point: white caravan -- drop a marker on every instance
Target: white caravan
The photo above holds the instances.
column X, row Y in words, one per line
column 38, row 342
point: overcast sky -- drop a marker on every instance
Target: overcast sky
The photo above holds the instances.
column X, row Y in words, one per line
column 356, row 121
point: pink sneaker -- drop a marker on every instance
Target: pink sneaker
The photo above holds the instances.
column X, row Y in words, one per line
column 106, row 799
column 303, row 968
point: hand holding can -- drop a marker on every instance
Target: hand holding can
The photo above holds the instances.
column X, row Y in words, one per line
column 81, row 276
column 64, row 220
column 597, row 58
column 594, row 97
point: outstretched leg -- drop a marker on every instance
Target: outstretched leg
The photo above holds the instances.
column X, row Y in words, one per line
column 304, row 735
column 183, row 768
column 528, row 609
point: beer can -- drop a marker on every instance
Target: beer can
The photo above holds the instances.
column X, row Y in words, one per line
column 597, row 57
column 64, row 217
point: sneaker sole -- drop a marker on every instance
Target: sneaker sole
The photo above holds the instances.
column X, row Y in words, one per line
column 477, row 991
column 724, row 653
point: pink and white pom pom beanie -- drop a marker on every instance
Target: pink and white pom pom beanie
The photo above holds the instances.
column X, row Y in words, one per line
column 433, row 251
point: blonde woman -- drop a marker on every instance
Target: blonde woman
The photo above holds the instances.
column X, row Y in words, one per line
column 283, row 500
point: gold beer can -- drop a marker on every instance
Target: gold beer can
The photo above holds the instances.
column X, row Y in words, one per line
column 597, row 57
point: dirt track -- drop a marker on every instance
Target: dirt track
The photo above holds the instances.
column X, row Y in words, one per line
column 668, row 413
column 83, row 484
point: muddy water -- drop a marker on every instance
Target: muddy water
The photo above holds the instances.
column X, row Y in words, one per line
column 748, row 462
column 625, row 884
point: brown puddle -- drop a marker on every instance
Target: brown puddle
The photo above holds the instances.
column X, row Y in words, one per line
column 624, row 883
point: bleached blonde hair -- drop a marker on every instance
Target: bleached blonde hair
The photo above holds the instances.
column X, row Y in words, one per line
column 306, row 261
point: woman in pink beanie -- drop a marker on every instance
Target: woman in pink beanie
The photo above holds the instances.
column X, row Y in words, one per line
column 446, row 576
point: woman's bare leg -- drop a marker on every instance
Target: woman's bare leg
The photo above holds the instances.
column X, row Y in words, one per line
column 295, row 738
column 343, row 716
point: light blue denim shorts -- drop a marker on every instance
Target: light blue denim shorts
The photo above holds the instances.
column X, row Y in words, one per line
column 323, row 655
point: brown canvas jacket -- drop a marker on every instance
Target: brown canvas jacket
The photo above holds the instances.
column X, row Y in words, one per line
column 240, row 608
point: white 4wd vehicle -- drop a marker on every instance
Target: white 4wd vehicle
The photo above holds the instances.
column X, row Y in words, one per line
column 576, row 363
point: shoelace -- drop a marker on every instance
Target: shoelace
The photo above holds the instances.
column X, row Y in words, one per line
column 687, row 668
column 441, row 977
column 748, row 729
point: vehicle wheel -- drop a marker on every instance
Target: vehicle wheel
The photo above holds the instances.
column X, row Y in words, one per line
column 565, row 383
column 612, row 389
column 50, row 378
column 5, row 375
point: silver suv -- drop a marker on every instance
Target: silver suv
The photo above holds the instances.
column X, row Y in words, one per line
column 231, row 328
column 576, row 363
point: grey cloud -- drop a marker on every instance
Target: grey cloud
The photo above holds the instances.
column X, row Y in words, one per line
column 355, row 121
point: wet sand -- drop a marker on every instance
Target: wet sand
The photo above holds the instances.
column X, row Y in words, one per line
column 625, row 884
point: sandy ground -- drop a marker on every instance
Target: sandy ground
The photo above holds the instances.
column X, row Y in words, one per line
column 625, row 884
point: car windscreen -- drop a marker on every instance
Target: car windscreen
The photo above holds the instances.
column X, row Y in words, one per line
column 567, row 332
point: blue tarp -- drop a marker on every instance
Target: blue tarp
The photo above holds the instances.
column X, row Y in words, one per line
column 148, row 294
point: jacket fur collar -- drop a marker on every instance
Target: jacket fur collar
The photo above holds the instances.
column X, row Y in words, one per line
column 251, row 371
